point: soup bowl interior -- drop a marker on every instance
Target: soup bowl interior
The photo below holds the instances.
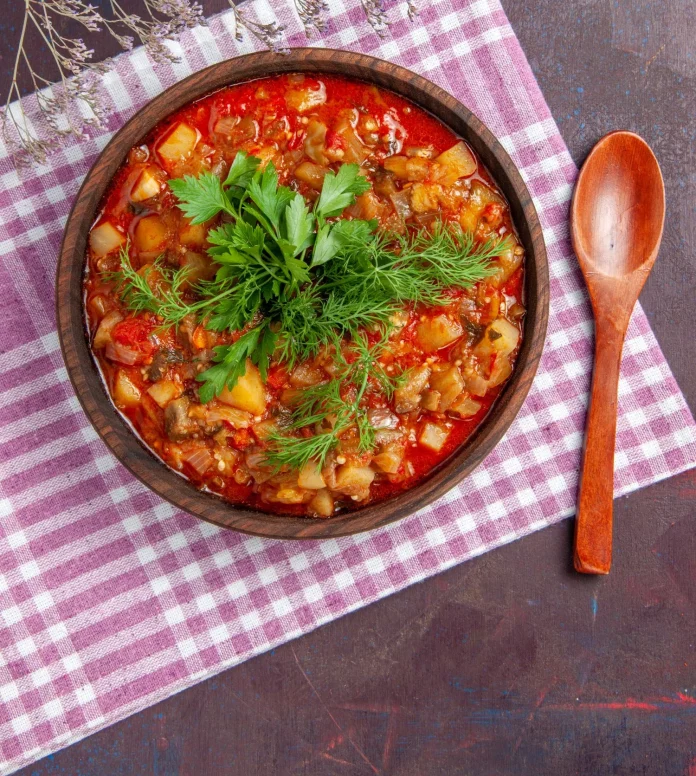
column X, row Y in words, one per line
column 115, row 429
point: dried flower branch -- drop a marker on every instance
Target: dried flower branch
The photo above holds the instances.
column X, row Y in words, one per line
column 178, row 15
column 66, row 107
column 376, row 14
column 311, row 15
column 270, row 34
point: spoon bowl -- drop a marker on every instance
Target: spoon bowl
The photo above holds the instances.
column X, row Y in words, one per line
column 619, row 206
column 617, row 217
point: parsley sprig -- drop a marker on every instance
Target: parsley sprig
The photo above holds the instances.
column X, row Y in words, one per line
column 335, row 405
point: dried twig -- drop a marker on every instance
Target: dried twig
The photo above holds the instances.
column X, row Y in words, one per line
column 376, row 13
column 311, row 13
column 66, row 107
column 270, row 33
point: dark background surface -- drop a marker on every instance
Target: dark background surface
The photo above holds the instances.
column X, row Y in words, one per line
column 510, row 663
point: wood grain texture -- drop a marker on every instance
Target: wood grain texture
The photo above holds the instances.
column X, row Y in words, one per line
column 510, row 663
column 117, row 433
column 617, row 219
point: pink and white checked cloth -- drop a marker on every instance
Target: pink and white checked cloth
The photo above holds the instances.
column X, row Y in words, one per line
column 110, row 599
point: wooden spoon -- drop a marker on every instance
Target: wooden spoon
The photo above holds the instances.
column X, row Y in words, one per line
column 617, row 216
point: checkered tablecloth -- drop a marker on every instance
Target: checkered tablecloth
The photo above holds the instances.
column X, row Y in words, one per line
column 110, row 599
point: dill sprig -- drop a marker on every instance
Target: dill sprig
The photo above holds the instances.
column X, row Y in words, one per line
column 334, row 407
column 155, row 289
column 370, row 279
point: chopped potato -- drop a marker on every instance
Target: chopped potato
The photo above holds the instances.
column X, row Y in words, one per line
column 500, row 337
column 322, row 505
column 502, row 369
column 304, row 98
column 126, row 392
column 193, row 235
column 468, row 219
column 476, row 384
column 480, row 196
column 248, row 394
column 102, row 336
column 425, row 197
column 146, row 187
column 354, row 481
column 368, row 206
column 437, row 332
column 105, row 238
column 508, row 261
column 150, row 236
column 465, row 406
column 178, row 144
column 433, row 437
column 163, row 391
column 407, row 168
column 431, row 400
column 311, row 174
column 267, row 154
column 457, row 162
column 310, row 477
column 449, row 383
column 391, row 458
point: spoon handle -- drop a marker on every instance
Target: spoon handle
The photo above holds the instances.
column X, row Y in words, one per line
column 593, row 523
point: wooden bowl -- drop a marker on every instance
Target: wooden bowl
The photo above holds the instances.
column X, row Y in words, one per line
column 115, row 430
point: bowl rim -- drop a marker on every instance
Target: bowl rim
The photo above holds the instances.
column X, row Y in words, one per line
column 116, row 431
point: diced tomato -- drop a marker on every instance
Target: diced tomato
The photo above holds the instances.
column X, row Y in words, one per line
column 333, row 140
column 296, row 140
column 277, row 377
column 374, row 400
column 514, row 285
column 135, row 333
column 240, row 439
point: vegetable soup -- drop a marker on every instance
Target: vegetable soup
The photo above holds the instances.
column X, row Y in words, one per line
column 304, row 293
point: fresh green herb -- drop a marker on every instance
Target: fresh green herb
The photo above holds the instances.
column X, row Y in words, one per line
column 202, row 198
column 242, row 170
column 370, row 278
column 315, row 285
column 335, row 407
column 231, row 365
column 339, row 190
column 157, row 289
column 417, row 267
column 269, row 198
